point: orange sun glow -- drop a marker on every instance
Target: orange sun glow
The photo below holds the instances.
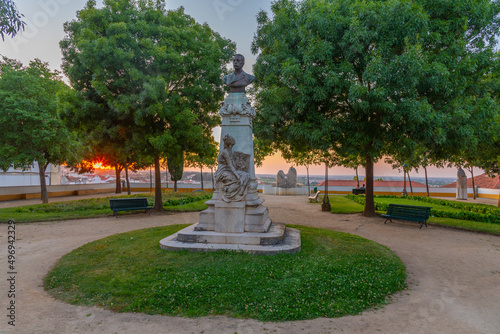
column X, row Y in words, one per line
column 100, row 165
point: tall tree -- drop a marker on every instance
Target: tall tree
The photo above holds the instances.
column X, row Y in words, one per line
column 30, row 128
column 342, row 75
column 151, row 78
column 10, row 19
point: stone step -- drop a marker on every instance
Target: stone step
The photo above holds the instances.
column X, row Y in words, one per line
column 291, row 244
column 274, row 236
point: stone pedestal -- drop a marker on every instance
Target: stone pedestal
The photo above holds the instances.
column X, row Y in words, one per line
column 229, row 217
column 235, row 222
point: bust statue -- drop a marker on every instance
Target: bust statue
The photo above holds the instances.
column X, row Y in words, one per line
column 239, row 79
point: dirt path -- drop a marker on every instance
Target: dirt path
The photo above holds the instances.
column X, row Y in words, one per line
column 454, row 279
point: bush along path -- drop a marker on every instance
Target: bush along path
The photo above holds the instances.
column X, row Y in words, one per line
column 457, row 210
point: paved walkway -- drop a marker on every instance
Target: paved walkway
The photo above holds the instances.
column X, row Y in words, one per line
column 454, row 279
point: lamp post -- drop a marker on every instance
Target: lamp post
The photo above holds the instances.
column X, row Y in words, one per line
column 404, row 182
column 326, row 206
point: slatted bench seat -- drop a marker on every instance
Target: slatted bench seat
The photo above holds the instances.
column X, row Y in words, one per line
column 314, row 198
column 127, row 204
column 408, row 212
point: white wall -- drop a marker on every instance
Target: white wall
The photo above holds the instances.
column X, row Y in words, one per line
column 30, row 176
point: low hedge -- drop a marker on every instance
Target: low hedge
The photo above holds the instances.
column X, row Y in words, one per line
column 186, row 200
column 473, row 212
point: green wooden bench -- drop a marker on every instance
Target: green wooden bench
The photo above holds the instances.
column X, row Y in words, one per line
column 408, row 212
column 127, row 204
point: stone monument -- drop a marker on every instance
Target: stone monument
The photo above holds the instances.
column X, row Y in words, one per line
column 461, row 184
column 235, row 218
column 287, row 180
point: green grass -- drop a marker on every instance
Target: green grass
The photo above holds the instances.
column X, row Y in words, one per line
column 335, row 274
column 466, row 225
column 342, row 205
column 97, row 207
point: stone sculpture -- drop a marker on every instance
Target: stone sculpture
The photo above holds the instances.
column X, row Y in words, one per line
column 229, row 180
column 239, row 79
column 237, row 103
column 281, row 179
column 287, row 180
column 461, row 184
column 235, row 218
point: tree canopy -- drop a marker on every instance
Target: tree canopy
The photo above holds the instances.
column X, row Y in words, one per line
column 368, row 79
column 30, row 128
column 150, row 78
column 10, row 19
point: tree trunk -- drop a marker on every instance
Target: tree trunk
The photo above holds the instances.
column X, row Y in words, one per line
column 427, row 182
column 498, row 202
column 118, row 171
column 357, row 176
column 128, row 180
column 411, row 186
column 166, row 176
column 43, row 185
column 201, row 173
column 473, row 183
column 158, row 199
column 150, row 180
column 404, row 182
column 308, row 183
column 326, row 206
column 369, row 201
column 175, row 185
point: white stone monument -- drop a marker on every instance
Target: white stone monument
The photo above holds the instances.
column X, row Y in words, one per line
column 461, row 184
column 235, row 218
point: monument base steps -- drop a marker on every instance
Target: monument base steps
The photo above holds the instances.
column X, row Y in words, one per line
column 278, row 239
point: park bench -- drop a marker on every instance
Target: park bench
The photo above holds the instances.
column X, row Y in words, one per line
column 358, row 191
column 314, row 198
column 408, row 212
column 127, row 204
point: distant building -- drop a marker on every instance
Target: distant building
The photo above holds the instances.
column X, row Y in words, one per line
column 354, row 183
column 30, row 176
column 483, row 181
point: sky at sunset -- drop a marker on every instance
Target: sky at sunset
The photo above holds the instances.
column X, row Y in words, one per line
column 233, row 19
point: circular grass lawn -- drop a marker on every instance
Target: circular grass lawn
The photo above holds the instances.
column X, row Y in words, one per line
column 335, row 274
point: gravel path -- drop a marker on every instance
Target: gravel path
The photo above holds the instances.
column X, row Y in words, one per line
column 454, row 279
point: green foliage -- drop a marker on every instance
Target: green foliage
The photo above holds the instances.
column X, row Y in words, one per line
column 368, row 79
column 335, row 274
column 148, row 80
column 30, row 128
column 186, row 200
column 206, row 158
column 261, row 150
column 175, row 165
column 10, row 19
